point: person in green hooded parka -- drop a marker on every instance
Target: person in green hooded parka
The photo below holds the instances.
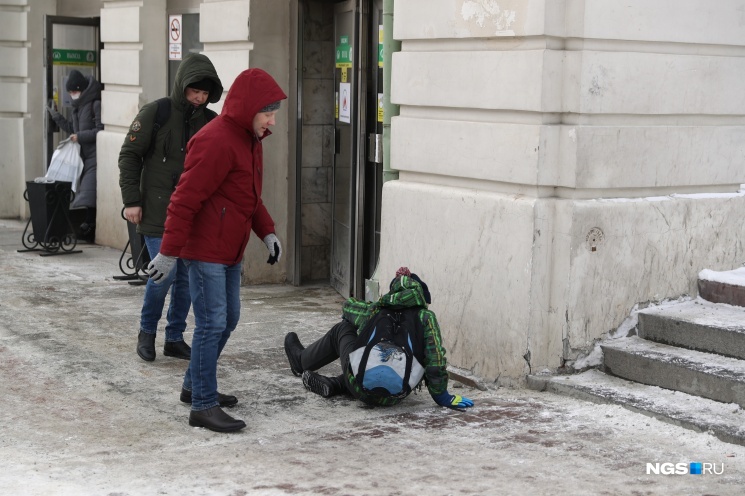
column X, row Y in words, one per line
column 150, row 163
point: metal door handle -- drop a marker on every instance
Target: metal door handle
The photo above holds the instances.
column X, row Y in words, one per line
column 375, row 148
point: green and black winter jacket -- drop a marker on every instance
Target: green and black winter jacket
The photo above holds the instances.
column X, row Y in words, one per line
column 149, row 172
column 405, row 292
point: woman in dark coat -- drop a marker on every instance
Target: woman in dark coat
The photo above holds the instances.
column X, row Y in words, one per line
column 85, row 123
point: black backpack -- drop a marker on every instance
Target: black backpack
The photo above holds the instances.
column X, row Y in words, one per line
column 384, row 362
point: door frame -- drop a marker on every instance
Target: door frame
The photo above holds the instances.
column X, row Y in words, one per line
column 359, row 102
column 49, row 22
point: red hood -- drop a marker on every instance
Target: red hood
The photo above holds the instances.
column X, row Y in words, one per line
column 251, row 91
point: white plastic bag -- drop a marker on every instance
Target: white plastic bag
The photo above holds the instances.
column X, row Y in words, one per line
column 66, row 164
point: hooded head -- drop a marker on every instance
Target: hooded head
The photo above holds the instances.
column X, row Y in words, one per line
column 76, row 82
column 196, row 71
column 405, row 272
column 253, row 91
column 272, row 107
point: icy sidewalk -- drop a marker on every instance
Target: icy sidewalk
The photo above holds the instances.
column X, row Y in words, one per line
column 82, row 414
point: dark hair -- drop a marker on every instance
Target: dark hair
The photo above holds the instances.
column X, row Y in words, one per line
column 204, row 85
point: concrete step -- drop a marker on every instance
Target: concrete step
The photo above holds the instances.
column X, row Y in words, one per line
column 696, row 325
column 725, row 421
column 723, row 287
column 702, row 374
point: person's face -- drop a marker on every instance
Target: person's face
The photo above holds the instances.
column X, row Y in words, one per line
column 262, row 121
column 196, row 97
column 74, row 94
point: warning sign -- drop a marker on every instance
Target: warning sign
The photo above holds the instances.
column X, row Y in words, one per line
column 174, row 37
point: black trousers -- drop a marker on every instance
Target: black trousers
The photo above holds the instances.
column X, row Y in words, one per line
column 338, row 343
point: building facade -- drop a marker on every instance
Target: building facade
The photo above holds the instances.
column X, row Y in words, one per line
column 545, row 165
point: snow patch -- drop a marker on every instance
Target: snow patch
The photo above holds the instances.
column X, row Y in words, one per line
column 733, row 277
column 488, row 10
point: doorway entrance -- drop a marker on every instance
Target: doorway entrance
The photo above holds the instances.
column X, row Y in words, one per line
column 71, row 43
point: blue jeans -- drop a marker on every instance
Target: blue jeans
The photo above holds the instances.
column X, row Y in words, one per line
column 155, row 298
column 215, row 297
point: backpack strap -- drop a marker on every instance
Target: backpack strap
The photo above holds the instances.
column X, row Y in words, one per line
column 162, row 113
column 396, row 327
column 371, row 342
column 407, row 347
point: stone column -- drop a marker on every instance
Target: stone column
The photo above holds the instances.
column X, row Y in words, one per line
column 237, row 35
column 14, row 79
column 134, row 72
column 560, row 162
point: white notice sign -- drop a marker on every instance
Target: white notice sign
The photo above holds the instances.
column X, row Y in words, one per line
column 345, row 102
column 174, row 37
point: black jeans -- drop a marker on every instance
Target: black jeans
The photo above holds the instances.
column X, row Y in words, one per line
column 338, row 343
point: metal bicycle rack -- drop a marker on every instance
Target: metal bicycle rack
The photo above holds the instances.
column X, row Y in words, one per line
column 52, row 231
column 134, row 258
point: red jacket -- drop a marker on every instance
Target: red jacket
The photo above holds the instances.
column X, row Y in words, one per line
column 217, row 201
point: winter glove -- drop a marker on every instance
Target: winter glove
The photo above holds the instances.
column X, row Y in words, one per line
column 275, row 249
column 161, row 266
column 455, row 402
column 51, row 108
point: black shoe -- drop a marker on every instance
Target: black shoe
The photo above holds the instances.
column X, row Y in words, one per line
column 225, row 400
column 177, row 349
column 215, row 419
column 319, row 384
column 146, row 346
column 293, row 349
column 87, row 232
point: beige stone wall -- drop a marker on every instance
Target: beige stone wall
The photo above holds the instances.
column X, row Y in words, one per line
column 269, row 25
column 133, row 73
column 561, row 161
column 14, row 106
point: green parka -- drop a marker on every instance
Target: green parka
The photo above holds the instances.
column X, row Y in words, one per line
column 149, row 174
column 405, row 292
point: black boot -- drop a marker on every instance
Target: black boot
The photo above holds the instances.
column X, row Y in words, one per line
column 146, row 346
column 215, row 419
column 320, row 384
column 88, row 232
column 225, row 400
column 177, row 349
column 293, row 350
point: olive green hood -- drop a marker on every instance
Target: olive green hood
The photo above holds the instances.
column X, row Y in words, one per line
column 193, row 68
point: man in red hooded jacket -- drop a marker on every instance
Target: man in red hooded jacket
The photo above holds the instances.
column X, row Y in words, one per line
column 216, row 204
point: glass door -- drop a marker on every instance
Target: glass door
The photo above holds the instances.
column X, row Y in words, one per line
column 346, row 142
column 358, row 158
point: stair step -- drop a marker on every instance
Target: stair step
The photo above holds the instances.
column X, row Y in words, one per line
column 702, row 374
column 697, row 325
column 723, row 420
column 723, row 287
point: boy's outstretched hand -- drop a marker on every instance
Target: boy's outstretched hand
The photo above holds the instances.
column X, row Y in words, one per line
column 456, row 402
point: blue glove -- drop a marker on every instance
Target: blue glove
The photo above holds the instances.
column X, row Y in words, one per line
column 456, row 402
column 161, row 266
